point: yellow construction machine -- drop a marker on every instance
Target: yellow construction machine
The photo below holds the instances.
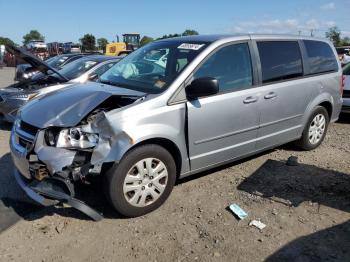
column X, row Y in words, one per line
column 131, row 41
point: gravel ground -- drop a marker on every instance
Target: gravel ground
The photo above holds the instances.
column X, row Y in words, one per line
column 306, row 209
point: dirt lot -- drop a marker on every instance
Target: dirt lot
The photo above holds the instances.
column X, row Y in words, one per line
column 306, row 209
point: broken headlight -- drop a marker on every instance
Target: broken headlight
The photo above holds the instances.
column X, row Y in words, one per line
column 72, row 138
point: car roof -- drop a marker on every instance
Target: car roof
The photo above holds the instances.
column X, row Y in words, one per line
column 216, row 37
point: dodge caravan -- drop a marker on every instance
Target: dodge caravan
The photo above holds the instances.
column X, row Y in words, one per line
column 144, row 124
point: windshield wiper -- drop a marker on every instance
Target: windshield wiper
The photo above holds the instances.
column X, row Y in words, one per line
column 107, row 82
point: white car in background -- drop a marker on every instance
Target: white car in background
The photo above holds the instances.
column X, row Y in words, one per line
column 346, row 91
column 343, row 54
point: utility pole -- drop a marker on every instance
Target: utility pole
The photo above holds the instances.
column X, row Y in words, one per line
column 311, row 32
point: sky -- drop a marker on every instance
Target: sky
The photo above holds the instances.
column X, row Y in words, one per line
column 69, row 20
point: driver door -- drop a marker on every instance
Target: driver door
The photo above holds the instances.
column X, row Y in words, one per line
column 224, row 126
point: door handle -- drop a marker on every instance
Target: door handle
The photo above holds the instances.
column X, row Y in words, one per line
column 270, row 95
column 250, row 99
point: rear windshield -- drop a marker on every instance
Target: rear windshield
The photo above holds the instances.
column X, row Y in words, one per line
column 320, row 57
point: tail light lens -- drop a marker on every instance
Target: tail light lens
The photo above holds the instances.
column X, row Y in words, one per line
column 342, row 84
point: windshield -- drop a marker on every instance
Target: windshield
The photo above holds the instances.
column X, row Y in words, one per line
column 77, row 68
column 131, row 39
column 152, row 68
column 56, row 61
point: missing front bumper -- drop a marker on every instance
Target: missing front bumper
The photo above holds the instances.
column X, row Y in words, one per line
column 48, row 194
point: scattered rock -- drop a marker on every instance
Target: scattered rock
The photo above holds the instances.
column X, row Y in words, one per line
column 60, row 227
column 292, row 161
column 44, row 229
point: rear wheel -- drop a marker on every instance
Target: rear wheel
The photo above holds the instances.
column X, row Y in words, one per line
column 142, row 181
column 315, row 130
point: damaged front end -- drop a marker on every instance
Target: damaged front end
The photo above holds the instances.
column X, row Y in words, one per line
column 51, row 160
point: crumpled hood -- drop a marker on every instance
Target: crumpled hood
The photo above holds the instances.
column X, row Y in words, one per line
column 68, row 106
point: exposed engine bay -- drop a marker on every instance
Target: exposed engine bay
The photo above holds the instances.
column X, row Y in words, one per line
column 38, row 81
column 77, row 151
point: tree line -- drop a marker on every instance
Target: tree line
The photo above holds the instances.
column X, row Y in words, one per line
column 334, row 34
column 90, row 43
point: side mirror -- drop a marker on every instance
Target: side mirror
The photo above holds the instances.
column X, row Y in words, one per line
column 204, row 86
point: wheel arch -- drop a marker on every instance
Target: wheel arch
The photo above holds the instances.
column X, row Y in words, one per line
column 325, row 100
column 329, row 107
column 168, row 145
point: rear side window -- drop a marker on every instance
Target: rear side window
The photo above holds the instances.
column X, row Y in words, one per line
column 320, row 57
column 280, row 60
column 231, row 66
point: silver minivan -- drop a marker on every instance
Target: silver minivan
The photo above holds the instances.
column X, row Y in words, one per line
column 146, row 123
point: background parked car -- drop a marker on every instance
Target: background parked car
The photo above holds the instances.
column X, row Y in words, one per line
column 71, row 47
column 346, row 91
column 38, row 48
column 26, row 71
column 49, row 79
column 344, row 54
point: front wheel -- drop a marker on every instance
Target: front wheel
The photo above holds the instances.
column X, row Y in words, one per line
column 315, row 129
column 142, row 181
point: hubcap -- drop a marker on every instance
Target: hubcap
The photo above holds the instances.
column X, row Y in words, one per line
column 317, row 128
column 145, row 182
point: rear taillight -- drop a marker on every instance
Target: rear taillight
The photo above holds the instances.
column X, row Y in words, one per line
column 342, row 84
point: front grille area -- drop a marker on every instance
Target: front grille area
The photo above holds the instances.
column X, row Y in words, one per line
column 346, row 94
column 24, row 143
column 25, row 134
column 32, row 130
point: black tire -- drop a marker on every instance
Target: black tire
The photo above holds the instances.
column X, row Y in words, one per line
column 304, row 141
column 115, row 177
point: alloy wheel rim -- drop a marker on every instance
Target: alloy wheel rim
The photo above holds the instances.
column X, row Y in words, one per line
column 317, row 128
column 145, row 182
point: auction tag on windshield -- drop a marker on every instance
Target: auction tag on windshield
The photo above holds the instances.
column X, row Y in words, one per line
column 190, row 46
